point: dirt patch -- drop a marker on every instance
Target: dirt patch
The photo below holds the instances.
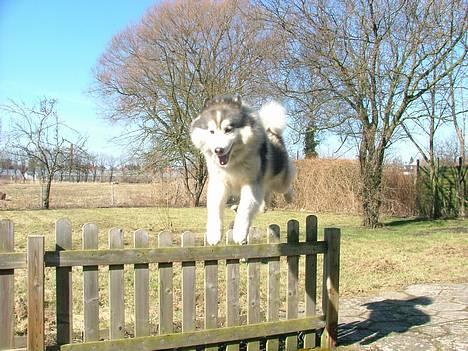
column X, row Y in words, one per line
column 445, row 250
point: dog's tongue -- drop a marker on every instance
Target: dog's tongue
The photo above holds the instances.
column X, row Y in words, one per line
column 223, row 159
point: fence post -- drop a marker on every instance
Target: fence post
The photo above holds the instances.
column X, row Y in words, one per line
column 166, row 288
column 90, row 287
column 274, row 285
column 253, row 289
column 63, row 278
column 116, row 289
column 141, row 286
column 310, row 279
column 7, row 284
column 189, row 287
column 211, row 297
column 232, row 292
column 292, row 281
column 36, row 293
column 332, row 282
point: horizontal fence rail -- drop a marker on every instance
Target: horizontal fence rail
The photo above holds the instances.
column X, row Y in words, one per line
column 107, row 257
column 227, row 296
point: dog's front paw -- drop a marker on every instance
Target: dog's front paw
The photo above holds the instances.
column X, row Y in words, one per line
column 239, row 235
column 213, row 236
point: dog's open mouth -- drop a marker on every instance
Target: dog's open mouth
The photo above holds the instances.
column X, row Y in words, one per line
column 223, row 159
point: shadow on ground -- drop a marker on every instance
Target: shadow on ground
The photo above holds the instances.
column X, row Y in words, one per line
column 400, row 222
column 385, row 317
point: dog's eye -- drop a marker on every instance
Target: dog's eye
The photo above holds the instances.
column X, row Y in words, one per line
column 228, row 129
column 212, row 131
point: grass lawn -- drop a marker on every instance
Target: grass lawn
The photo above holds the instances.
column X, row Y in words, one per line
column 400, row 253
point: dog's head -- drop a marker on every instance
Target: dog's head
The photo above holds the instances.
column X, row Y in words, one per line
column 220, row 128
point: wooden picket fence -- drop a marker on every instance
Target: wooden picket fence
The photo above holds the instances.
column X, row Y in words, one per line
column 266, row 330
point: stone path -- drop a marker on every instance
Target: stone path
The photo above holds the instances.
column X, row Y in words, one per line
column 422, row 317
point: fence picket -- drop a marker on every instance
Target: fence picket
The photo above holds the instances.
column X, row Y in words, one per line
column 141, row 287
column 166, row 316
column 116, row 289
column 63, row 276
column 293, row 277
column 232, row 293
column 211, row 297
column 188, row 286
column 90, row 287
column 7, row 286
column 36, row 336
column 273, row 285
column 331, row 282
column 253, row 289
column 310, row 280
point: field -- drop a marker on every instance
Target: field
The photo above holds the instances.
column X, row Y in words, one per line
column 93, row 195
column 403, row 252
column 321, row 185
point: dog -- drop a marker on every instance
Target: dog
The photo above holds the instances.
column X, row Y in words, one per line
column 245, row 156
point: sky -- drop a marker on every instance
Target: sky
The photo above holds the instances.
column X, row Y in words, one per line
column 49, row 49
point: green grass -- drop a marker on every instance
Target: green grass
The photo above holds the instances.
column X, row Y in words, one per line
column 401, row 253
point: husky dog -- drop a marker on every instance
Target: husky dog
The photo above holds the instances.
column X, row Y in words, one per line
column 245, row 156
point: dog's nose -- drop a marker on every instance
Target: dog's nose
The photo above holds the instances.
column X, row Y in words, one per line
column 219, row 151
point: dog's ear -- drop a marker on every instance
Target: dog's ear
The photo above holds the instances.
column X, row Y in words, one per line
column 237, row 100
column 197, row 132
column 206, row 103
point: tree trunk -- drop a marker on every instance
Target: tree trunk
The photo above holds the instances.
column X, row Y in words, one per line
column 200, row 181
column 371, row 169
column 46, row 192
column 435, row 199
column 460, row 187
column 371, row 195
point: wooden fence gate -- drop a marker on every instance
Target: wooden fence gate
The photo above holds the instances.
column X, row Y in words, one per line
column 261, row 304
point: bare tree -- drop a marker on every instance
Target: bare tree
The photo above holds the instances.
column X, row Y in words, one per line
column 112, row 164
column 156, row 75
column 458, row 118
column 358, row 66
column 38, row 135
column 425, row 118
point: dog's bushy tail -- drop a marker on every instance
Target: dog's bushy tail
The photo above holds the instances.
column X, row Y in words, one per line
column 273, row 117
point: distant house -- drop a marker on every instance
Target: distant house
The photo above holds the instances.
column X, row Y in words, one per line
column 410, row 167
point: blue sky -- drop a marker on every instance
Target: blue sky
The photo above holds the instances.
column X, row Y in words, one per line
column 49, row 48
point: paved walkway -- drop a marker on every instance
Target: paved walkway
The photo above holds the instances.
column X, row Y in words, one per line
column 422, row 317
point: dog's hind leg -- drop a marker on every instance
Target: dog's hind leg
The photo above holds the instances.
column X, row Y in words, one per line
column 216, row 199
column 250, row 200
column 288, row 196
column 266, row 203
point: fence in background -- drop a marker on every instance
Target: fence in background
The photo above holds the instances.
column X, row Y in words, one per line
column 442, row 190
column 263, row 329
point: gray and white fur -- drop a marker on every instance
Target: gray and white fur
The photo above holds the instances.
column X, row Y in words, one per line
column 245, row 156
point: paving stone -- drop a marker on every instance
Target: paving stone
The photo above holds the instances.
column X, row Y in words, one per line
column 460, row 299
column 395, row 295
column 431, row 331
column 405, row 342
column 454, row 315
column 451, row 343
column 424, row 290
column 423, row 317
column 457, row 327
column 445, row 306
